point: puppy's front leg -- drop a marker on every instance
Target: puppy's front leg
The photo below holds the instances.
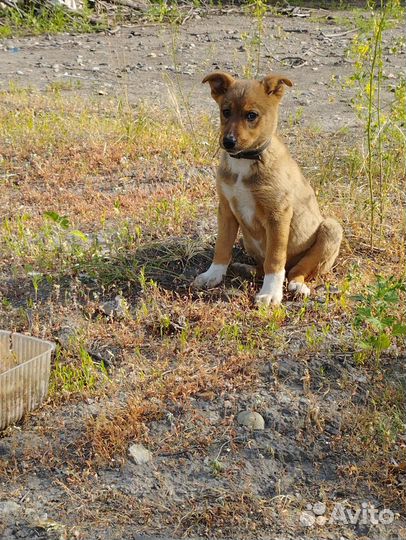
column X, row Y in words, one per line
column 277, row 237
column 226, row 235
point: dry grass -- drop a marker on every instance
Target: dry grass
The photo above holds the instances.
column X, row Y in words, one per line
column 137, row 190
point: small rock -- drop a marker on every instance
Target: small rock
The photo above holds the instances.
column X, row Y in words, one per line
column 152, row 55
column 108, row 308
column 307, row 519
column 117, row 308
column 360, row 378
column 251, row 420
column 139, row 454
column 319, row 508
column 212, row 416
column 8, row 507
column 93, row 409
column 104, row 355
column 67, row 334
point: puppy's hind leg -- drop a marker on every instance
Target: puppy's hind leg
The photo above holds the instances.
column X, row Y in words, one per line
column 319, row 258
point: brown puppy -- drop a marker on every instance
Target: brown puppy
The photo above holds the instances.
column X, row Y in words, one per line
column 262, row 191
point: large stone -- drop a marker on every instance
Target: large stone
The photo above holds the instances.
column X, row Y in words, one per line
column 9, row 507
column 251, row 420
column 139, row 454
column 319, row 508
column 68, row 334
column 117, row 308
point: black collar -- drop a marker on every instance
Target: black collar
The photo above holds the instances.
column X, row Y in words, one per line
column 252, row 154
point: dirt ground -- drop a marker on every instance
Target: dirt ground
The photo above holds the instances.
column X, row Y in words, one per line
column 162, row 63
column 248, row 484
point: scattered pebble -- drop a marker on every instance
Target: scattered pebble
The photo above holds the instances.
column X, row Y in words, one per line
column 319, row 508
column 9, row 507
column 139, row 454
column 307, row 519
column 251, row 420
column 67, row 334
column 117, row 308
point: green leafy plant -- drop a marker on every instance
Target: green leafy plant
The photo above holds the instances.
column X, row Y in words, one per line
column 253, row 42
column 385, row 141
column 161, row 11
column 55, row 241
column 64, row 223
column 216, row 467
column 39, row 19
column 377, row 320
column 72, row 378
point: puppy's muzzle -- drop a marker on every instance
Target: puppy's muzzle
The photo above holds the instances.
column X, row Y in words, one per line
column 229, row 142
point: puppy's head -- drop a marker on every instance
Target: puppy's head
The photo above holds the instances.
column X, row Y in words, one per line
column 248, row 109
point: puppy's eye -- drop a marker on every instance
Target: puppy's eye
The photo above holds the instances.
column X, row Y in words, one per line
column 226, row 113
column 251, row 116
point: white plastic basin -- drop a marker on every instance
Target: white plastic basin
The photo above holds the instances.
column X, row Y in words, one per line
column 24, row 374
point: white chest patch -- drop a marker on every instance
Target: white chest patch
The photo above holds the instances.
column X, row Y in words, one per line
column 239, row 166
column 238, row 195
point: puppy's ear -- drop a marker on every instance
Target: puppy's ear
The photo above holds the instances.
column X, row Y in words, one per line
column 275, row 84
column 219, row 83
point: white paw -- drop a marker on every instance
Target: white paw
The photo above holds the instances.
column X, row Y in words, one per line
column 272, row 289
column 266, row 299
column 212, row 277
column 299, row 288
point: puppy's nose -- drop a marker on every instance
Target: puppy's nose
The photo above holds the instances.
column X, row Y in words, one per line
column 229, row 142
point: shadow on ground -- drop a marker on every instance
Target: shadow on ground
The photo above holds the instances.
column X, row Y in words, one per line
column 171, row 264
